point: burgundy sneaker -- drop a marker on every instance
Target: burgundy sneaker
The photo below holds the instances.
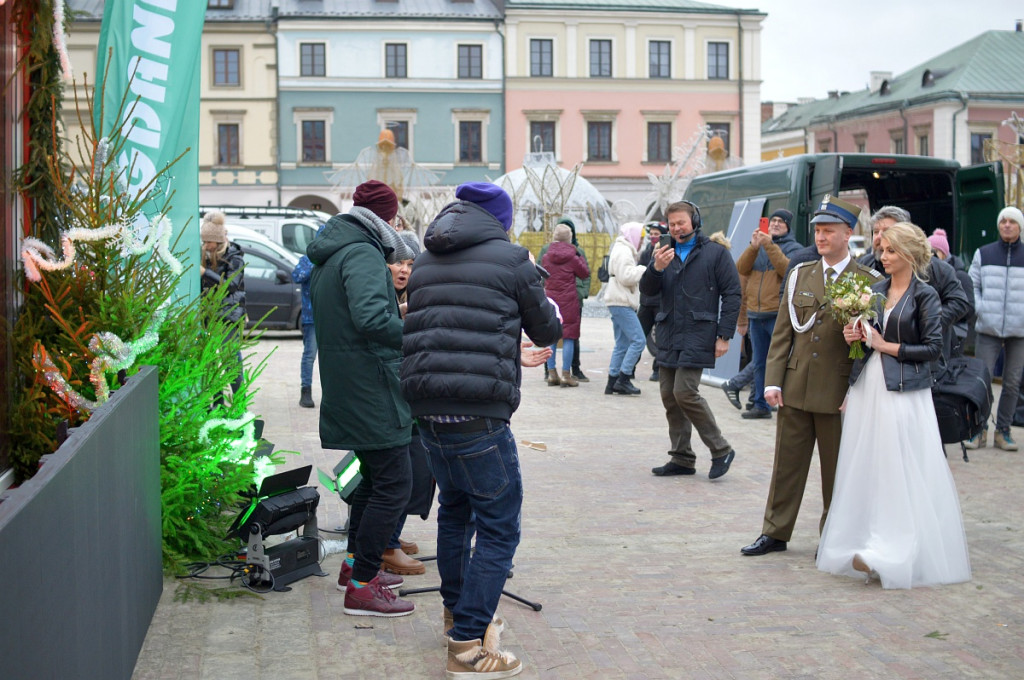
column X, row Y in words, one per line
column 374, row 599
column 393, row 581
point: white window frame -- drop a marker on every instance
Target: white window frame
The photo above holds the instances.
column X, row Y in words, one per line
column 299, row 116
column 544, row 116
column 384, row 59
column 669, row 117
column 671, row 58
column 483, row 116
column 483, row 58
column 601, row 116
column 400, row 115
column 218, row 118
column 731, row 55
column 327, row 56
column 615, row 50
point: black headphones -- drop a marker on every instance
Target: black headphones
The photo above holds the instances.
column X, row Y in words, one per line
column 695, row 219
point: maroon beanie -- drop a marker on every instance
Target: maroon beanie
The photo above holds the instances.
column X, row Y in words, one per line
column 378, row 198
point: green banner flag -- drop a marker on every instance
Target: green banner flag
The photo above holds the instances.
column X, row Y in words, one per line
column 159, row 42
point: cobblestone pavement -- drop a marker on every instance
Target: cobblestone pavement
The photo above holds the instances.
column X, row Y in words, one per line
column 640, row 577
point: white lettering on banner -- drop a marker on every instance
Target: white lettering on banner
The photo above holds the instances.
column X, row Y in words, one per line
column 152, row 27
column 145, row 73
column 142, row 121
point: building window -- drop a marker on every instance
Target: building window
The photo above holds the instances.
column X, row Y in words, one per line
column 471, row 141
column 540, row 58
column 313, row 59
column 659, row 142
column 400, row 128
column 395, row 60
column 220, row 4
column 471, row 61
column 600, row 58
column 718, row 61
column 824, row 146
column 721, row 130
column 898, row 145
column 978, row 146
column 542, row 135
column 599, row 140
column 923, row 145
column 860, row 143
column 225, row 67
column 660, row 52
column 314, row 141
column 227, row 144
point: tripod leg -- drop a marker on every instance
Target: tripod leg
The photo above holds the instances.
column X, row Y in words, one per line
column 535, row 606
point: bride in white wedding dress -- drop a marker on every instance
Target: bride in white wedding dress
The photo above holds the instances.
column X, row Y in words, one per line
column 895, row 512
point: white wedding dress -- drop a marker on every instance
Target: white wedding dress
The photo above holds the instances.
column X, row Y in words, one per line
column 894, row 501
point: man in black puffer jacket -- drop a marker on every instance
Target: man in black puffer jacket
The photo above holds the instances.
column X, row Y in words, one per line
column 470, row 297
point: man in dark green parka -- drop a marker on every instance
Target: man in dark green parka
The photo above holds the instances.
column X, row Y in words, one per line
column 359, row 335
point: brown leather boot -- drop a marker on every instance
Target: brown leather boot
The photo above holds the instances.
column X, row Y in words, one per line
column 397, row 562
column 553, row 377
column 569, row 380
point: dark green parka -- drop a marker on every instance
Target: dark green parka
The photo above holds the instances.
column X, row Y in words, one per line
column 359, row 339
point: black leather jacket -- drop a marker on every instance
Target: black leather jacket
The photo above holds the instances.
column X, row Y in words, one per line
column 916, row 325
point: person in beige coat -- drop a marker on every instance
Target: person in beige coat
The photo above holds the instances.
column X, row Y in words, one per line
column 622, row 297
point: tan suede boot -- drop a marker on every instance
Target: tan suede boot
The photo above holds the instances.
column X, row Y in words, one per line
column 569, row 380
column 397, row 562
column 553, row 377
column 476, row 659
column 449, row 621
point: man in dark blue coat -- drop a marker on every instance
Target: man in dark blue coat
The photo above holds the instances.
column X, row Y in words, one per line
column 471, row 296
column 700, row 296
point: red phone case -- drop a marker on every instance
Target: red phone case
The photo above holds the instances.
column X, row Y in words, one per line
column 763, row 225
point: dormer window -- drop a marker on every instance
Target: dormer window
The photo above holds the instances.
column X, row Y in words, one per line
column 885, row 89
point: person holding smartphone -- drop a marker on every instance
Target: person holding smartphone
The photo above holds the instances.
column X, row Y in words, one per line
column 763, row 262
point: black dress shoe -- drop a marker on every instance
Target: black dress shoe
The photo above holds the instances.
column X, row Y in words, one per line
column 669, row 469
column 756, row 414
column 764, row 545
column 720, row 465
column 732, row 395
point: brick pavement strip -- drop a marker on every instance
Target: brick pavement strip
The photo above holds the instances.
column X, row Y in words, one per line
column 640, row 577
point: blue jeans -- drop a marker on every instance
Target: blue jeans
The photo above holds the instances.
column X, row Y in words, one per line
column 308, row 355
column 568, row 347
column 629, row 340
column 760, row 338
column 480, row 490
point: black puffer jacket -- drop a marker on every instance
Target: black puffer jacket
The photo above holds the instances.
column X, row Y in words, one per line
column 699, row 301
column 915, row 323
column 470, row 296
column 228, row 267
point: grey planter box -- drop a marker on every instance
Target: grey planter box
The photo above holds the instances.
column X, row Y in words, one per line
column 80, row 570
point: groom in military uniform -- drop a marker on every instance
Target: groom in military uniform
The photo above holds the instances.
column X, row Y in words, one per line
column 807, row 375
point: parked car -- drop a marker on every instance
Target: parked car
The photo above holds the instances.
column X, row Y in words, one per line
column 270, row 291
column 293, row 228
column 246, row 237
column 858, row 245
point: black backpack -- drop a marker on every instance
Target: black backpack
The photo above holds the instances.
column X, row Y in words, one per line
column 962, row 395
column 602, row 271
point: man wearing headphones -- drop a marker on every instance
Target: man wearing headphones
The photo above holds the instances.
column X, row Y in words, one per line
column 699, row 301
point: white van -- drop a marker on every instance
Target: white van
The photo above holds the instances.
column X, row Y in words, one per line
column 293, row 228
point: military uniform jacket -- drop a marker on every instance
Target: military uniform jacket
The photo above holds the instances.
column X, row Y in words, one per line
column 813, row 367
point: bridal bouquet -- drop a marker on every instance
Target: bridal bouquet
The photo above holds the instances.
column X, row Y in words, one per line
column 851, row 299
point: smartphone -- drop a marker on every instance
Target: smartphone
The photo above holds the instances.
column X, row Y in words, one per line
column 763, row 225
column 665, row 240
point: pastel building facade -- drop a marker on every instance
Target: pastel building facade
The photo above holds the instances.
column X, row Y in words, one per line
column 619, row 85
column 430, row 71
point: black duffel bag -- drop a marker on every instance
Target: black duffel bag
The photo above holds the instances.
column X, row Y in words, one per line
column 963, row 399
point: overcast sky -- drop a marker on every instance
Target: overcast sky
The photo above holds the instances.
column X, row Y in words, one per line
column 809, row 47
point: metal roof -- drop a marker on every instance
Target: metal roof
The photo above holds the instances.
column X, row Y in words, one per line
column 391, row 9
column 244, row 10
column 682, row 6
